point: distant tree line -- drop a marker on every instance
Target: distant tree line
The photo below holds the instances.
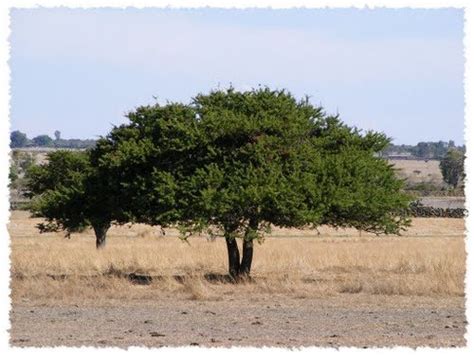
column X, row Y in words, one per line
column 20, row 140
column 424, row 150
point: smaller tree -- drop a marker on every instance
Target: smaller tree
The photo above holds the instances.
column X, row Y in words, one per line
column 43, row 141
column 57, row 135
column 452, row 167
column 71, row 195
column 18, row 139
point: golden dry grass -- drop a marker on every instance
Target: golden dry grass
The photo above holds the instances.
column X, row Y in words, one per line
column 429, row 260
column 417, row 171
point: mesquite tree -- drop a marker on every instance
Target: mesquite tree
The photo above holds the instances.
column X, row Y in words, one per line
column 71, row 194
column 234, row 163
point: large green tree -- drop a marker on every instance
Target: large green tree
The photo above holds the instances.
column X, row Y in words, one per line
column 234, row 163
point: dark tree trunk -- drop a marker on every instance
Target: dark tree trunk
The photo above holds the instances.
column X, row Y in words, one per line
column 247, row 255
column 247, row 249
column 234, row 257
column 241, row 269
column 100, row 234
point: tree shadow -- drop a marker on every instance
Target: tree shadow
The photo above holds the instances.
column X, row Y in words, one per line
column 213, row 278
column 219, row 278
column 145, row 279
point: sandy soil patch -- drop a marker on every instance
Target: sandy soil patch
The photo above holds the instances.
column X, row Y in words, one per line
column 281, row 322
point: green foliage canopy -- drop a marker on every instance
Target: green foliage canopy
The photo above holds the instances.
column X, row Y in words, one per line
column 58, row 190
column 234, row 163
column 230, row 163
column 71, row 194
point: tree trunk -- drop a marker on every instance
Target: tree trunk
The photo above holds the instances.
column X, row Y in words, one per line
column 247, row 249
column 247, row 255
column 234, row 257
column 241, row 269
column 100, row 234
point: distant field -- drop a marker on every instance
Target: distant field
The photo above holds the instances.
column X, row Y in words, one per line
column 419, row 170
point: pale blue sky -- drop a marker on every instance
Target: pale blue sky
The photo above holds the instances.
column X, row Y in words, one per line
column 397, row 71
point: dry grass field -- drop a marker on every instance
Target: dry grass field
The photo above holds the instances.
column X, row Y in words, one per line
column 417, row 171
column 420, row 274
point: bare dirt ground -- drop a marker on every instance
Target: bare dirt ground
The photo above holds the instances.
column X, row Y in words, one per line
column 349, row 320
column 444, row 201
column 338, row 288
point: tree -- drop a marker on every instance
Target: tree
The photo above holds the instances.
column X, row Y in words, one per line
column 18, row 139
column 423, row 150
column 440, row 149
column 42, row 141
column 234, row 163
column 57, row 135
column 72, row 195
column 452, row 167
